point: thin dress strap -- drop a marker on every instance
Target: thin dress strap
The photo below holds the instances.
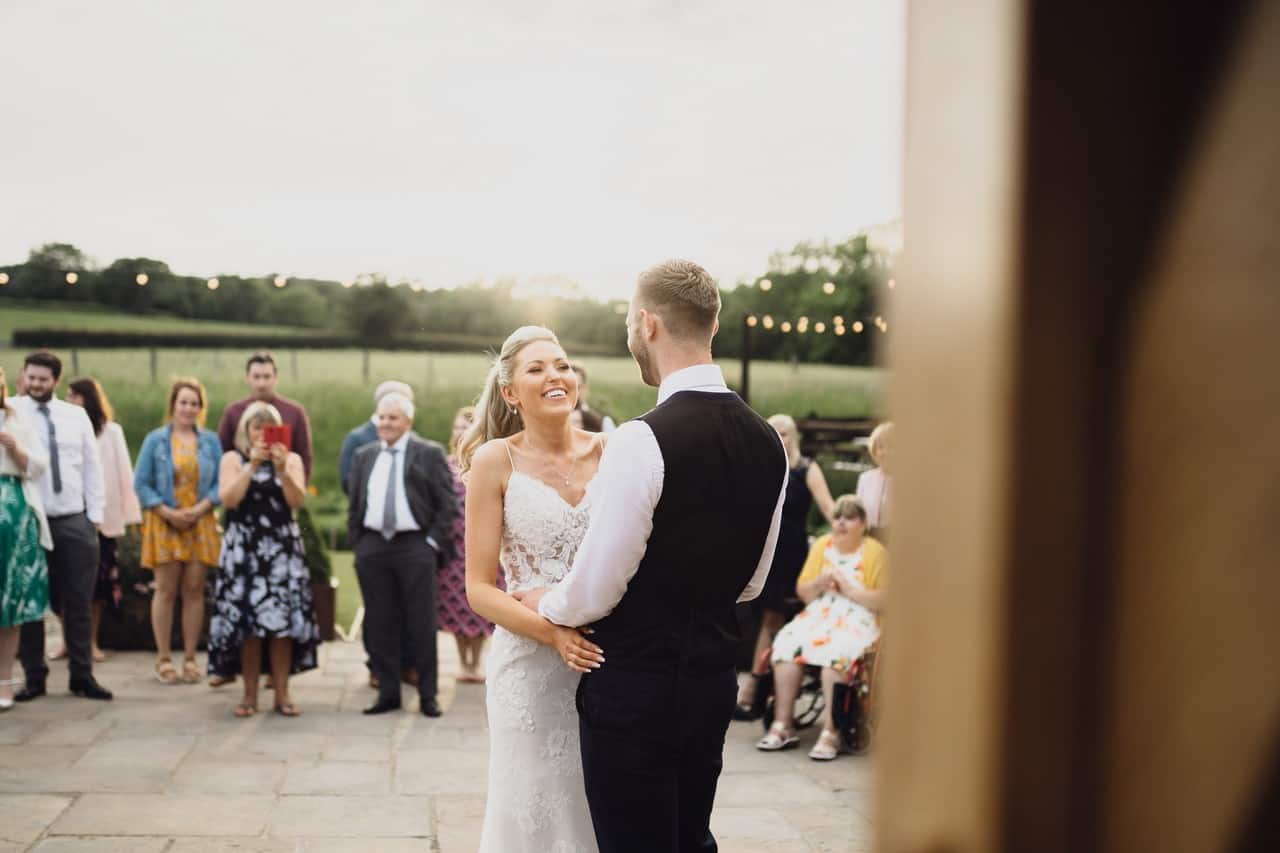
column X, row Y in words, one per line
column 507, row 444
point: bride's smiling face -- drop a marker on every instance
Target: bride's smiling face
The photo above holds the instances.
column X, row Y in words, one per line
column 542, row 383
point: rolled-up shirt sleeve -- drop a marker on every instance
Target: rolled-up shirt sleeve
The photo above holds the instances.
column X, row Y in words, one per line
column 623, row 498
column 756, row 584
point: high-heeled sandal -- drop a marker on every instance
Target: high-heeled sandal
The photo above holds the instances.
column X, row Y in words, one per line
column 190, row 671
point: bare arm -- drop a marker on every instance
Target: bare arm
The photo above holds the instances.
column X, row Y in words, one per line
column 485, row 495
column 233, row 479
column 293, row 480
column 817, row 483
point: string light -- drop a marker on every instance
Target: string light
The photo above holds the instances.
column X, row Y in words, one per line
column 4, row 279
column 72, row 278
column 212, row 283
column 879, row 319
column 751, row 321
column 884, row 327
column 142, row 279
column 892, row 284
column 349, row 283
column 838, row 320
column 857, row 327
column 281, row 281
column 819, row 328
column 829, row 288
column 839, row 330
column 785, row 327
column 767, row 322
column 766, row 285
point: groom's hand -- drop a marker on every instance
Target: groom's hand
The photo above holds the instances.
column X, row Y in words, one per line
column 530, row 598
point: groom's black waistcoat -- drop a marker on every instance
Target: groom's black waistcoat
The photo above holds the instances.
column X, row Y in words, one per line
column 723, row 469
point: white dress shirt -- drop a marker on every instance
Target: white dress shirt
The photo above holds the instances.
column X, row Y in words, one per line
column 78, row 464
column 873, row 491
column 13, row 423
column 380, row 478
column 626, row 492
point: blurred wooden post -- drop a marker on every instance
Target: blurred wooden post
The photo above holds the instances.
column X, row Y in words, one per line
column 154, row 366
column 431, row 373
column 364, row 365
column 1092, row 665
column 293, row 363
column 745, row 389
column 75, row 362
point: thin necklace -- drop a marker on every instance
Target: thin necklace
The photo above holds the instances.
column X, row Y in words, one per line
column 567, row 478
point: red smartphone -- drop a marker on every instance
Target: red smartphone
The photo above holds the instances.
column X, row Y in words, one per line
column 278, row 434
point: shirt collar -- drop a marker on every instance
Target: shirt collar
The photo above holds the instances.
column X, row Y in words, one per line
column 700, row 377
column 400, row 442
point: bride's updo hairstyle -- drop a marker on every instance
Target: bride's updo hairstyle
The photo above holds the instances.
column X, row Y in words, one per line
column 494, row 418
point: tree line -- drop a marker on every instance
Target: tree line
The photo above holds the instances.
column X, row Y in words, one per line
column 815, row 281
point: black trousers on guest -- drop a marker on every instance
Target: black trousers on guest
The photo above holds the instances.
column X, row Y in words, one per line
column 398, row 582
column 73, row 572
column 652, row 751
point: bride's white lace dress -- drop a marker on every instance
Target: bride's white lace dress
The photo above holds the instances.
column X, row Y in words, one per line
column 536, row 800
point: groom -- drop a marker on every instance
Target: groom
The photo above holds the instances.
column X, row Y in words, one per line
column 684, row 527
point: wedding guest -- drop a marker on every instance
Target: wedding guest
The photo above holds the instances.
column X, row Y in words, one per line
column 455, row 614
column 805, row 486
column 874, row 486
column 71, row 493
column 120, row 507
column 398, row 521
column 262, row 376
column 262, row 600
column 177, row 485
column 367, row 432
column 592, row 420
column 842, row 585
column 24, row 537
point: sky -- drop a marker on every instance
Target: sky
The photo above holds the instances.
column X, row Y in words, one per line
column 445, row 142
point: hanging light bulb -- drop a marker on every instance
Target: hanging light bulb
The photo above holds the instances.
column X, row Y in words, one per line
column 751, row 321
column 838, row 320
column 767, row 322
column 212, row 283
column 141, row 279
column 819, row 328
column 839, row 330
column 785, row 327
column 349, row 283
column 4, row 279
column 281, row 281
column 72, row 278
column 765, row 284
column 892, row 283
column 829, row 288
column 857, row 327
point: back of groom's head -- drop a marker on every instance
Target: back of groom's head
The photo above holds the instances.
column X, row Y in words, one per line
column 685, row 296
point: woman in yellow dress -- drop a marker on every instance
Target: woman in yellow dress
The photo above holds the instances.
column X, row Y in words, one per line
column 177, row 484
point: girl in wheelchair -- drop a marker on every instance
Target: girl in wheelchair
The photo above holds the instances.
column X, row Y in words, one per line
column 842, row 585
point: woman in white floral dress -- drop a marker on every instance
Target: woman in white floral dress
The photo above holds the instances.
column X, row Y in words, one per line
column 528, row 473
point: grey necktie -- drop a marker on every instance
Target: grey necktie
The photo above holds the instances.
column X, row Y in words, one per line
column 389, row 504
column 55, row 467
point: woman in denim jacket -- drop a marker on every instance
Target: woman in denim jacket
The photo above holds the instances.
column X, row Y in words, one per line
column 177, row 484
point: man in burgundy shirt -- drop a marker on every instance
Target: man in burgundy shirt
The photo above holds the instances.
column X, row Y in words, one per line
column 262, row 376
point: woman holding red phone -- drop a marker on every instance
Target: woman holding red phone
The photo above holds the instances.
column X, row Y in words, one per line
column 263, row 615
column 176, row 481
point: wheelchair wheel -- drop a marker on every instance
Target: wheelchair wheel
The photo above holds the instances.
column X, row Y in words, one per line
column 809, row 703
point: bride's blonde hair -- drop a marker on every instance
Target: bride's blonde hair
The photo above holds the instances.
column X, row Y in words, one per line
column 494, row 418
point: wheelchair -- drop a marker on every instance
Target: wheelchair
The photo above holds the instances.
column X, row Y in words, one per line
column 853, row 712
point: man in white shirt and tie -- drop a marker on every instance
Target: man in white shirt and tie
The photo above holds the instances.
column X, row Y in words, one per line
column 402, row 505
column 72, row 490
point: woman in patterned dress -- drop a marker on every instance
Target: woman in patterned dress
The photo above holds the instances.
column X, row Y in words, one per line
column 842, row 584
column 454, row 613
column 177, row 484
column 262, row 599
column 24, row 536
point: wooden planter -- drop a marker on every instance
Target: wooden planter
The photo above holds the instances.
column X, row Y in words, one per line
column 324, row 597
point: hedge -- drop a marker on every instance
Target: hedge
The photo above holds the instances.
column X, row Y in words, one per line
column 426, row 342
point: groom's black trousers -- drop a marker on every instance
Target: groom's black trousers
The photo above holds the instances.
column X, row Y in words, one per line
column 652, row 750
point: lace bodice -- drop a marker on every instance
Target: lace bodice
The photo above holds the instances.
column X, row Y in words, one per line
column 541, row 532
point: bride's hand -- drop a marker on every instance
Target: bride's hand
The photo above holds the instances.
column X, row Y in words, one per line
column 578, row 653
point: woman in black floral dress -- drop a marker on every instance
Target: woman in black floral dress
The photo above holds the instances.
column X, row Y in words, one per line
column 263, row 589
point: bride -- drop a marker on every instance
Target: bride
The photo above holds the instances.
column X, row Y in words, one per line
column 528, row 475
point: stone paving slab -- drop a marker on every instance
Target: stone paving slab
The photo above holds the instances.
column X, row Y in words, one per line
column 168, row 769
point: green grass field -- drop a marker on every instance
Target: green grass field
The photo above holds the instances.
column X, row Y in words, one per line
column 40, row 314
column 330, row 384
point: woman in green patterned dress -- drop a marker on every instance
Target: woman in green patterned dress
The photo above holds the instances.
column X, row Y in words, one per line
column 24, row 536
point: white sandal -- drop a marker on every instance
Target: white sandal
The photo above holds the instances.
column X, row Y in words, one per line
column 778, row 737
column 827, row 747
column 6, row 704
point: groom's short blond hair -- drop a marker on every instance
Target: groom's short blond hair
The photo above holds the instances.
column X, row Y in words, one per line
column 685, row 296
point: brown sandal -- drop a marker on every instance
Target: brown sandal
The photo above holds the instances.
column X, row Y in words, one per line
column 244, row 709
column 287, row 709
column 166, row 672
column 190, row 671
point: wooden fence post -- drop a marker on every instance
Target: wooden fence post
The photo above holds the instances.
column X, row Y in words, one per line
column 293, row 363
column 153, row 364
column 365, row 365
column 75, row 362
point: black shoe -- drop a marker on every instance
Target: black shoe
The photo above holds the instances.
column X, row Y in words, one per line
column 88, row 688
column 746, row 712
column 31, row 691
column 382, row 706
column 430, row 708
